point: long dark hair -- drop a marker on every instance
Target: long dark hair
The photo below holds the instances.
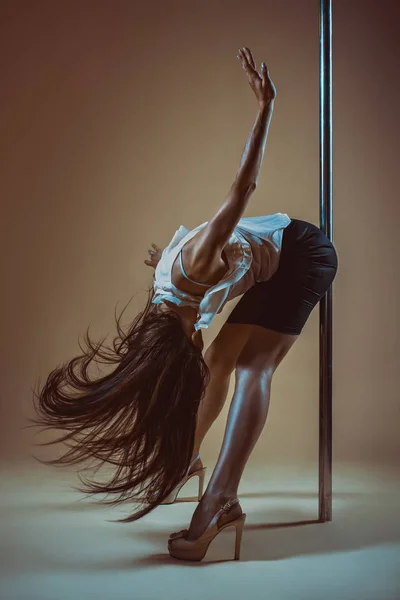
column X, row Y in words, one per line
column 140, row 418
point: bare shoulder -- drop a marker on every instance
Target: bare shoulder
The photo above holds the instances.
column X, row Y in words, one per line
column 203, row 257
column 203, row 262
column 203, row 269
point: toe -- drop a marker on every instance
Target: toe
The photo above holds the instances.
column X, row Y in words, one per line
column 179, row 534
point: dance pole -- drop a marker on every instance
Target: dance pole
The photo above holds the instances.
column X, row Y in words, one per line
column 325, row 306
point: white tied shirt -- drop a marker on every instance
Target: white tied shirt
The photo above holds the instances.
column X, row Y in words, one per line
column 252, row 253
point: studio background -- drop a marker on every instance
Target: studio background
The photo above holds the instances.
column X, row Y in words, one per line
column 120, row 122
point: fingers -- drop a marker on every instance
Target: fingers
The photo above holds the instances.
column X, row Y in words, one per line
column 156, row 249
column 248, row 62
column 249, row 57
column 264, row 71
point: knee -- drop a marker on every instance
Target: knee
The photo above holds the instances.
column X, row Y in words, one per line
column 259, row 364
column 256, row 372
column 249, row 380
column 264, row 352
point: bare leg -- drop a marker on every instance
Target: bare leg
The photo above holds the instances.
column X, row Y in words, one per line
column 247, row 415
column 220, row 357
column 212, row 404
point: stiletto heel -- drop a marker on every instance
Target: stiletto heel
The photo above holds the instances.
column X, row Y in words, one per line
column 180, row 547
column 239, row 531
column 200, row 473
column 174, row 494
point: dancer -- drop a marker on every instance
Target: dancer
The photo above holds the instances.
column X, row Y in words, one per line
column 149, row 416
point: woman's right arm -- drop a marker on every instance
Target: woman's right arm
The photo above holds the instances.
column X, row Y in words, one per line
column 247, row 176
column 213, row 237
column 253, row 153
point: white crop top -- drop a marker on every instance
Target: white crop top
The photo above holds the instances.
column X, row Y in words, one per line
column 252, row 252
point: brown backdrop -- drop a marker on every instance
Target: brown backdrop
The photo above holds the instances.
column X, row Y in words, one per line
column 121, row 122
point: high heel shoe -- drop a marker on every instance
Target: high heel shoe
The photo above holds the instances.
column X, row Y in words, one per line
column 200, row 473
column 180, row 547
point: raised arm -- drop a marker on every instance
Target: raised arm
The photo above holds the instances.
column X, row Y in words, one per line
column 213, row 237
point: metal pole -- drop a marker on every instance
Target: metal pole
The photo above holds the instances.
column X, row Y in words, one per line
column 325, row 315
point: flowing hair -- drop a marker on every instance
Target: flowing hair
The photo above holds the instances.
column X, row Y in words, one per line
column 140, row 418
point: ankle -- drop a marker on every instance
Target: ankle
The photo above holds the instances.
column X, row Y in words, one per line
column 220, row 496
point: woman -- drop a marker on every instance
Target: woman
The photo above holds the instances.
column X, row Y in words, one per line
column 149, row 416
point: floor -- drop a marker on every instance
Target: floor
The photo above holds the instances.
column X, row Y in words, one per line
column 57, row 546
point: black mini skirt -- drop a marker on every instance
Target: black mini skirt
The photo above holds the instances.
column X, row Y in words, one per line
column 307, row 267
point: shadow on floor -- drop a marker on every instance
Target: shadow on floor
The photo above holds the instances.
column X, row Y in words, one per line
column 359, row 521
column 84, row 505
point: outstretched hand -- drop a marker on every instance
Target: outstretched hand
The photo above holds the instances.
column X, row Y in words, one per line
column 155, row 255
column 260, row 83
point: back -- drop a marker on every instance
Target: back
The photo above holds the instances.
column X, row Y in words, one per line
column 252, row 253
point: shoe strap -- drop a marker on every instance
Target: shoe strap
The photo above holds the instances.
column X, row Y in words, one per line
column 225, row 508
column 194, row 460
column 228, row 505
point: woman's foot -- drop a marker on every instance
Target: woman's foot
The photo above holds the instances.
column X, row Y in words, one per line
column 227, row 515
column 206, row 509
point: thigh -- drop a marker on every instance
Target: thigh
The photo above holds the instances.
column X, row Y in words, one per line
column 227, row 346
column 264, row 350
